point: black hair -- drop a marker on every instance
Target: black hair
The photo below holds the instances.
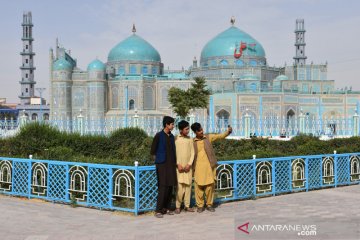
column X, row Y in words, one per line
column 196, row 127
column 183, row 124
column 168, row 120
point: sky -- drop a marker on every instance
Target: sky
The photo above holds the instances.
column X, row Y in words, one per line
column 179, row 30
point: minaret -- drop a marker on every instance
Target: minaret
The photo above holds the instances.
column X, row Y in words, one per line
column 27, row 69
column 300, row 58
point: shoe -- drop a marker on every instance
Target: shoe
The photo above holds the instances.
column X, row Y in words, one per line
column 200, row 209
column 189, row 209
column 159, row 215
column 177, row 211
column 169, row 212
column 210, row 209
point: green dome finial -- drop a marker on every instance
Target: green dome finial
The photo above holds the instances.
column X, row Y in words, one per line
column 134, row 28
column 232, row 21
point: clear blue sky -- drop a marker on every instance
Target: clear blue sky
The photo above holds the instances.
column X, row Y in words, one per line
column 179, row 30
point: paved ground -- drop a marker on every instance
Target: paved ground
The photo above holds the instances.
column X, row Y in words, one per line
column 335, row 213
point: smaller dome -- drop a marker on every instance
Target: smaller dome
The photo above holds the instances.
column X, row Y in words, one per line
column 96, row 65
column 62, row 64
column 249, row 76
column 281, row 78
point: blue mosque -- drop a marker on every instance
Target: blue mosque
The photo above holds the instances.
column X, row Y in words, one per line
column 133, row 80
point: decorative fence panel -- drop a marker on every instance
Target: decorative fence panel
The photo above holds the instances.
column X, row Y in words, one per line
column 134, row 188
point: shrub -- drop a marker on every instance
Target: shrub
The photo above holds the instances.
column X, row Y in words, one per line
column 125, row 146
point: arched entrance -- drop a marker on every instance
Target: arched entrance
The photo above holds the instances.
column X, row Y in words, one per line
column 222, row 118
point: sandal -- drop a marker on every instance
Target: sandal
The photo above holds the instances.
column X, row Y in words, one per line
column 159, row 215
column 168, row 212
column 189, row 209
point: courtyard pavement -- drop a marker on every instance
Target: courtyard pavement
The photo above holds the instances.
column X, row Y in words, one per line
column 332, row 213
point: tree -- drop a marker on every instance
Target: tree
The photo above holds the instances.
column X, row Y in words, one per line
column 197, row 96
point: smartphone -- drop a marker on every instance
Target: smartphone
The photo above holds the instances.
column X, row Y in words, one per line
column 228, row 127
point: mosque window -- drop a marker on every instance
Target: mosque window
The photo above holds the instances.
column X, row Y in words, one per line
column 34, row 116
column 131, row 104
column 224, row 62
column 154, row 71
column 78, row 98
column 164, row 97
column 132, row 94
column 144, row 70
column 253, row 87
column 114, row 97
column 149, row 98
column 26, row 90
column 121, row 70
column 26, row 75
column 46, row 116
column 240, row 86
column 27, row 46
column 253, row 63
column 27, row 60
column 132, row 69
column 264, row 86
column 239, row 62
column 213, row 63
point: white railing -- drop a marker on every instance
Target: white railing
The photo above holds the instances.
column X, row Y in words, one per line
column 247, row 126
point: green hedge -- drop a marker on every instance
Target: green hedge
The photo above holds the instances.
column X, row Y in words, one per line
column 122, row 147
column 127, row 145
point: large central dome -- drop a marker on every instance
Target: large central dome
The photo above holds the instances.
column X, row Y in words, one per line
column 134, row 48
column 225, row 43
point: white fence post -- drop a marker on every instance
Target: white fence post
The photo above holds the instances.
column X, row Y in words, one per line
column 247, row 125
column 356, row 124
column 302, row 122
column 80, row 123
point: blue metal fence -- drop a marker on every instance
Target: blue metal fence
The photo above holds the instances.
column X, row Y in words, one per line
column 134, row 188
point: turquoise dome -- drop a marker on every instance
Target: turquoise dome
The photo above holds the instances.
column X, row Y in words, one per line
column 249, row 76
column 62, row 64
column 96, row 65
column 224, row 44
column 134, row 48
column 281, row 78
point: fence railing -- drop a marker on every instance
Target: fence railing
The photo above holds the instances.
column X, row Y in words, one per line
column 246, row 126
column 134, row 188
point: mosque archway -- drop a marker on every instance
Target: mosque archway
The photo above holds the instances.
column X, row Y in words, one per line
column 34, row 116
column 223, row 117
column 131, row 104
